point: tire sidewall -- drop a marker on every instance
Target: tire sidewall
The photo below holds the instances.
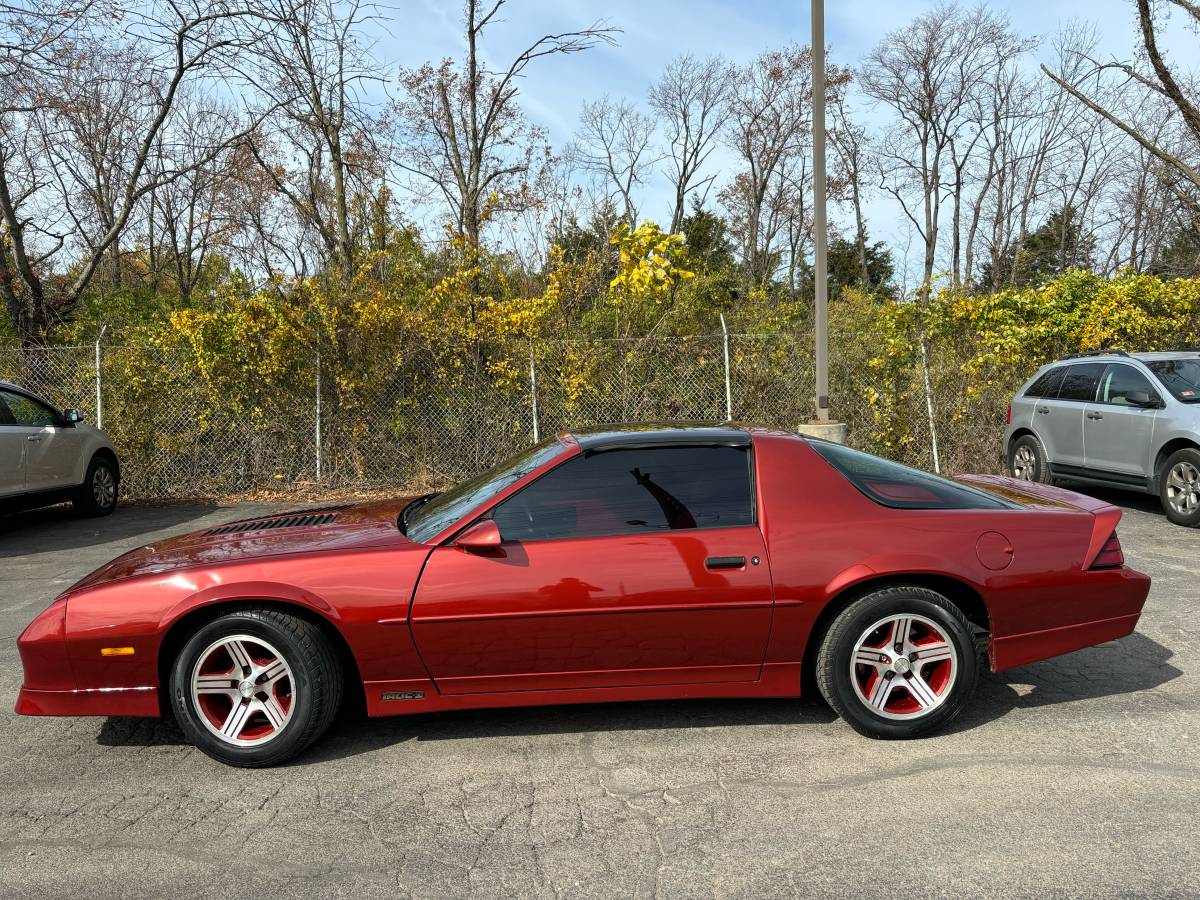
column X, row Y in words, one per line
column 861, row 616
column 1187, row 454
column 296, row 733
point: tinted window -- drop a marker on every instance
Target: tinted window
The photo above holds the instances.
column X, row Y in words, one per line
column 632, row 491
column 1180, row 376
column 444, row 509
column 1118, row 381
column 891, row 484
column 1080, row 382
column 28, row 412
column 1047, row 384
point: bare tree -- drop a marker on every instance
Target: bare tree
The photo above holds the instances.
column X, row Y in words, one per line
column 465, row 137
column 177, row 43
column 319, row 149
column 690, row 99
column 1161, row 80
column 614, row 144
column 852, row 147
column 770, row 102
column 929, row 73
column 201, row 212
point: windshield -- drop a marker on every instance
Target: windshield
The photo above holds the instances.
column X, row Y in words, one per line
column 442, row 510
column 1179, row 376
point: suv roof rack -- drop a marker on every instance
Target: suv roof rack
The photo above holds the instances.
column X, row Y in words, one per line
column 1087, row 353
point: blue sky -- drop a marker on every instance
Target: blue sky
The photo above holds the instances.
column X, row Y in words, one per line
column 657, row 30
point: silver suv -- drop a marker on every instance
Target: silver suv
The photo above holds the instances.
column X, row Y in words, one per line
column 48, row 456
column 1115, row 419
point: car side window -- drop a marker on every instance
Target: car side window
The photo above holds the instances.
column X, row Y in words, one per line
column 633, row 491
column 1048, row 384
column 1119, row 381
column 5, row 416
column 28, row 412
column 1080, row 382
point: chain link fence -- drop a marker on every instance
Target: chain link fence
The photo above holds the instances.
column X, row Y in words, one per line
column 181, row 432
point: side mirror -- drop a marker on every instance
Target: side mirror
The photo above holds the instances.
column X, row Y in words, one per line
column 482, row 536
column 1141, row 398
column 72, row 415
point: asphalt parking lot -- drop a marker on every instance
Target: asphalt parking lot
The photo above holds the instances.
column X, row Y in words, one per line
column 1074, row 777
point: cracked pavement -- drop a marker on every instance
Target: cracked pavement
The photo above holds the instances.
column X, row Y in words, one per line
column 1072, row 777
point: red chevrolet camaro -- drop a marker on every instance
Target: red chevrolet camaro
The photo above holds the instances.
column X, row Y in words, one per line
column 628, row 563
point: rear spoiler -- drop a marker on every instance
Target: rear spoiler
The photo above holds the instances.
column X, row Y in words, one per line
column 1047, row 496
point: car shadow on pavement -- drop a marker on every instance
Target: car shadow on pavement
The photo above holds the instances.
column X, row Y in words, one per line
column 59, row 528
column 1129, row 665
column 1133, row 664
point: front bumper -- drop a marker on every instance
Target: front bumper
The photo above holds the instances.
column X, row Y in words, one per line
column 50, row 687
column 140, row 701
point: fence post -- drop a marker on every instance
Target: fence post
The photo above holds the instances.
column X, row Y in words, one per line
column 929, row 406
column 318, row 435
column 728, row 387
column 533, row 392
column 99, row 403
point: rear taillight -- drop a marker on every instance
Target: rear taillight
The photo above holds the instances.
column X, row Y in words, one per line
column 1008, row 415
column 1110, row 555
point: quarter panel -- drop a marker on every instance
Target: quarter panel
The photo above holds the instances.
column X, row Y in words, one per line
column 823, row 537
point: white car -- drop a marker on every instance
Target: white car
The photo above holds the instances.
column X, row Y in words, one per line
column 49, row 456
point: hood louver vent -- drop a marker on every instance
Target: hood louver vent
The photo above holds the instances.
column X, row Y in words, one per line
column 300, row 518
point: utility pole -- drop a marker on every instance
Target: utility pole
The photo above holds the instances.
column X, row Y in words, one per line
column 820, row 229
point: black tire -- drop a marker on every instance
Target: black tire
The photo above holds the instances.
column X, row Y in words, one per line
column 97, row 496
column 1030, row 448
column 835, row 673
column 315, row 685
column 1180, row 501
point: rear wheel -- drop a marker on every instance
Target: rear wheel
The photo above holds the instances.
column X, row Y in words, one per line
column 255, row 687
column 1027, row 460
column 97, row 495
column 1179, row 487
column 898, row 663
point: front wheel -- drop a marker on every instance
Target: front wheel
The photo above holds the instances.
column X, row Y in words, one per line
column 255, row 687
column 898, row 663
column 1179, row 487
column 97, row 495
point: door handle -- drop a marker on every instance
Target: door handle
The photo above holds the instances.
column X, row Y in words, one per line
column 1044, row 410
column 1095, row 415
column 725, row 562
column 33, row 439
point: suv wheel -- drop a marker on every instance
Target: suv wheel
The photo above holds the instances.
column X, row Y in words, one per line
column 1179, row 487
column 97, row 495
column 1027, row 460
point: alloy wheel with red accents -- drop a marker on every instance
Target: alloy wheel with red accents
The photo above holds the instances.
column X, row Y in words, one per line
column 255, row 686
column 904, row 666
column 898, row 662
column 243, row 688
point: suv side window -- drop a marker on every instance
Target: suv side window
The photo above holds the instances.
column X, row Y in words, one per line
column 1048, row 383
column 28, row 412
column 633, row 491
column 1118, row 381
column 1080, row 382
